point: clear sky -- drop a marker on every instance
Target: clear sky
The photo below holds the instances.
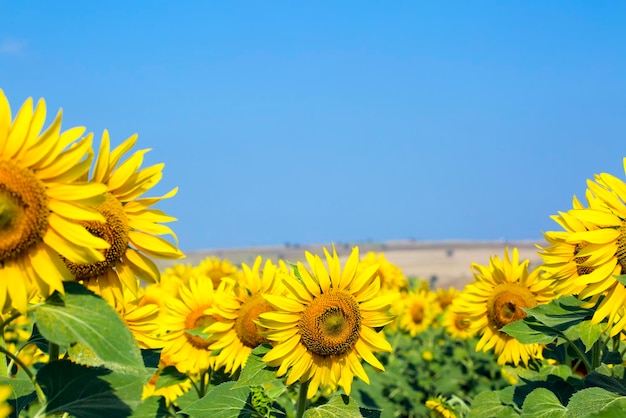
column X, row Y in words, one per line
column 314, row 122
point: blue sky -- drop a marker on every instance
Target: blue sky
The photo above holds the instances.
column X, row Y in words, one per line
column 314, row 122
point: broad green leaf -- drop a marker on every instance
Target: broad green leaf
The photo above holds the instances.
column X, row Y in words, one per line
column 222, row 401
column 153, row 407
column 613, row 410
column 560, row 313
column 339, row 406
column 88, row 392
column 542, row 403
column 603, row 381
column 589, row 334
column 23, row 392
column 82, row 317
column 612, row 357
column 528, row 331
column 170, row 376
column 592, row 400
column 488, row 404
column 256, row 372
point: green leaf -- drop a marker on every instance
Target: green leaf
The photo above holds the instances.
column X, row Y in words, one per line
column 614, row 410
column 339, row 406
column 542, row 403
column 528, row 331
column 560, row 313
column 621, row 278
column 592, row 400
column 603, row 381
column 256, row 372
column 222, row 401
column 170, row 376
column 23, row 392
column 82, row 317
column 153, row 407
column 612, row 357
column 87, row 392
column 488, row 404
column 589, row 334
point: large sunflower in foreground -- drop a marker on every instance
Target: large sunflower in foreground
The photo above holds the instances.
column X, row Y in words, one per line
column 132, row 227
column 585, row 258
column 42, row 202
column 238, row 333
column 327, row 322
column 498, row 297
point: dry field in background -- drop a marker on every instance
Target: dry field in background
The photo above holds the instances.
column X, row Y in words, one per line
column 445, row 263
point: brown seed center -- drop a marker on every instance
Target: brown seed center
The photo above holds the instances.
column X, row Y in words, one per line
column 23, row 210
column 331, row 324
column 247, row 330
column 506, row 304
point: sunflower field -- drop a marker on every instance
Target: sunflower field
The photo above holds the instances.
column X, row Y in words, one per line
column 91, row 327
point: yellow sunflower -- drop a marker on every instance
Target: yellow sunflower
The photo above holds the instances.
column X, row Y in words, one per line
column 391, row 276
column 141, row 318
column 496, row 298
column 327, row 322
column 217, row 269
column 184, row 318
column 42, row 203
column 584, row 258
column 5, row 393
column 417, row 311
column 457, row 325
column 170, row 392
column 440, row 408
column 238, row 334
column 446, row 296
column 132, row 227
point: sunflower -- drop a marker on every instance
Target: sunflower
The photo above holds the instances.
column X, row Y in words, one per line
column 457, row 325
column 585, row 258
column 5, row 393
column 131, row 226
column 498, row 297
column 238, row 333
column 440, row 408
column 217, row 269
column 327, row 322
column 42, row 204
column 141, row 318
column 184, row 318
column 417, row 311
column 391, row 276
column 170, row 392
column 446, row 296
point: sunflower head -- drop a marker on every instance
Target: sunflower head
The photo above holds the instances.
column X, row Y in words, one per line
column 499, row 295
column 130, row 225
column 328, row 321
column 43, row 202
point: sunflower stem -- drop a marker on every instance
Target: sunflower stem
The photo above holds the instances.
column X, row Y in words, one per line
column 301, row 404
column 53, row 351
column 31, row 376
column 4, row 370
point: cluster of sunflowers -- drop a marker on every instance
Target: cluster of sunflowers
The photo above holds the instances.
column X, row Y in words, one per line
column 71, row 214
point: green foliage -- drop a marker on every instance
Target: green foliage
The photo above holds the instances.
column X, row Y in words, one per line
column 223, row 401
column 86, row 392
column 91, row 328
column 429, row 364
column 588, row 382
